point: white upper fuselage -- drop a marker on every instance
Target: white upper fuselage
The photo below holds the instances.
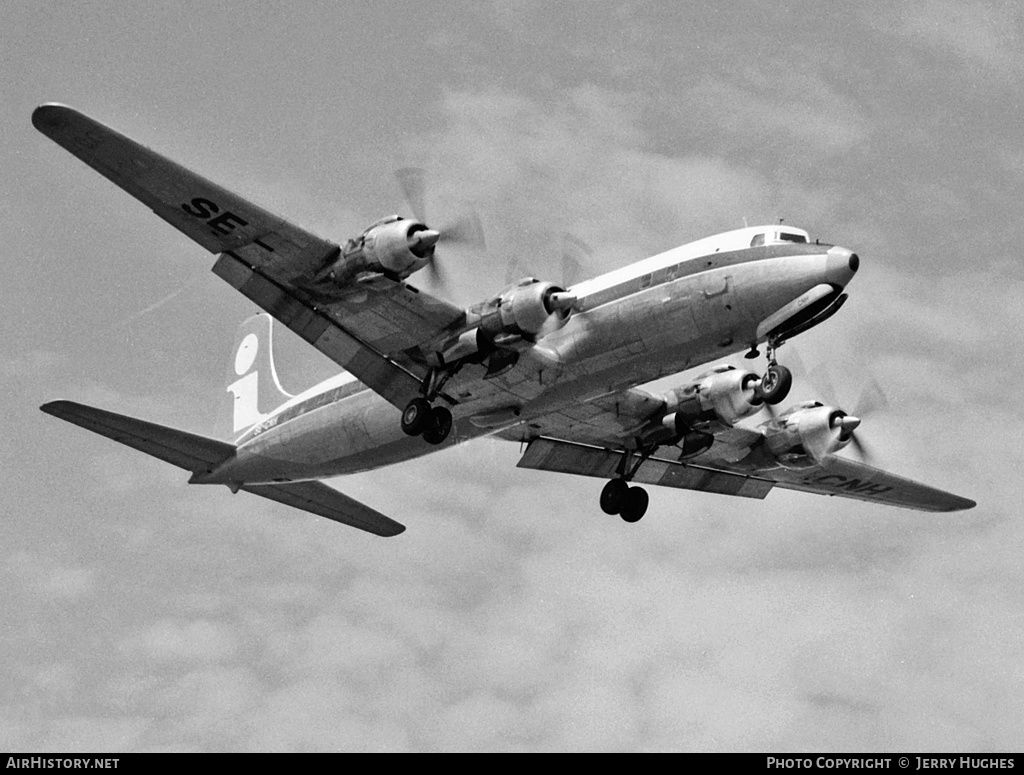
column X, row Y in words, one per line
column 672, row 311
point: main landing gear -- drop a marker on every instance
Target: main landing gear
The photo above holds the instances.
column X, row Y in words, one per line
column 419, row 418
column 618, row 497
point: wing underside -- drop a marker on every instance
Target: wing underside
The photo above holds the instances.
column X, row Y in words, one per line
column 582, row 459
column 369, row 329
column 834, row 476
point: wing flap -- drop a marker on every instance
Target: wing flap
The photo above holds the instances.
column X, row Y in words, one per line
column 382, row 375
column 570, row 458
column 606, row 419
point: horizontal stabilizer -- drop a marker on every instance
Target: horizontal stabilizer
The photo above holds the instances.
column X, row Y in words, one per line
column 184, row 450
column 318, row 498
column 200, row 454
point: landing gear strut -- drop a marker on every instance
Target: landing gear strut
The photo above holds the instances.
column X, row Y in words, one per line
column 618, row 497
column 777, row 380
column 420, row 418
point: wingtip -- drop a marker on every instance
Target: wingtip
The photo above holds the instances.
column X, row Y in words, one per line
column 55, row 407
column 49, row 114
column 959, row 504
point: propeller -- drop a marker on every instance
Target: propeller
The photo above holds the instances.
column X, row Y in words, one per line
column 465, row 229
column 576, row 255
column 413, row 181
column 575, row 259
column 872, row 400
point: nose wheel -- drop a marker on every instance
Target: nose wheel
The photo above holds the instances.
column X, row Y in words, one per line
column 777, row 380
column 433, row 423
column 775, row 384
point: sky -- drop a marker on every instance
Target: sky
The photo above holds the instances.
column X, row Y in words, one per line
column 141, row 614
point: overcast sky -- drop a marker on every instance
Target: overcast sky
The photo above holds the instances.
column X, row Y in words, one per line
column 143, row 614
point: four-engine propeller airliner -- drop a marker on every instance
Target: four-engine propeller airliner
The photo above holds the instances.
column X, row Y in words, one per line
column 556, row 369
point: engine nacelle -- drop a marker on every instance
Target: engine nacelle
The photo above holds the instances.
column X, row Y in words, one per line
column 393, row 246
column 400, row 247
column 529, row 309
column 809, row 433
column 724, row 395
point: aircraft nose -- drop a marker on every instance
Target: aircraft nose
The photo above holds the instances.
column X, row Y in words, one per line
column 841, row 266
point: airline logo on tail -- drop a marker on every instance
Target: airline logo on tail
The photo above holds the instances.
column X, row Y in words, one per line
column 246, row 389
column 252, row 381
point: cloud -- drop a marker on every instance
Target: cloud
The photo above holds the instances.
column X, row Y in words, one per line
column 170, row 640
column 47, row 577
column 765, row 105
column 985, row 36
column 32, row 364
column 536, row 168
column 513, row 614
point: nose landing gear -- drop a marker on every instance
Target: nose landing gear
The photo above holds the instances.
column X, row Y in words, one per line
column 777, row 380
column 775, row 384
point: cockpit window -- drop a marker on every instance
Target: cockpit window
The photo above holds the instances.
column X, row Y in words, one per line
column 790, row 237
column 758, row 240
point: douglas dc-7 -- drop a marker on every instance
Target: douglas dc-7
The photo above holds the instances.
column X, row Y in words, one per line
column 555, row 369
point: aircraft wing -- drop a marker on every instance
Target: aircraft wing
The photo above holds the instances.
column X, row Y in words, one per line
column 834, row 476
column 606, row 420
column 583, row 459
column 840, row 476
column 367, row 328
column 200, row 454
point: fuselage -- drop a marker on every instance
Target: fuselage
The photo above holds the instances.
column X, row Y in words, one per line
column 676, row 310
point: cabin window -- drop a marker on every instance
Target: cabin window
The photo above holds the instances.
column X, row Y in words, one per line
column 645, row 281
column 790, row 237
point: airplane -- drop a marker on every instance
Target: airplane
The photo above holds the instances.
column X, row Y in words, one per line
column 557, row 369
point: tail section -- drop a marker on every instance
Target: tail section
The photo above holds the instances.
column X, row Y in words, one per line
column 202, row 456
column 254, row 389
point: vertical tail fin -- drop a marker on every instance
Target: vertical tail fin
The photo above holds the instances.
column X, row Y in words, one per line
column 253, row 389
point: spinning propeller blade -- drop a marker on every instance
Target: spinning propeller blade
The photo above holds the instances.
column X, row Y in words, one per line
column 575, row 255
column 465, row 229
column 872, row 401
column 413, row 181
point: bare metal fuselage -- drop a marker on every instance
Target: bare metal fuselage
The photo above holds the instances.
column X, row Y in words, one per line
column 657, row 317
